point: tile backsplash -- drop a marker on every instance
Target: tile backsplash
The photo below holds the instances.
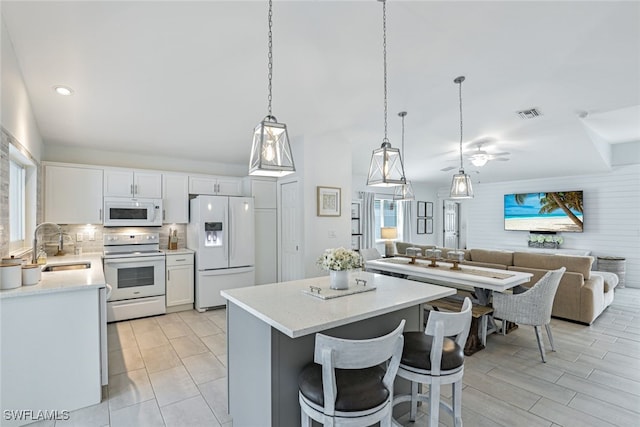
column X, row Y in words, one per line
column 91, row 236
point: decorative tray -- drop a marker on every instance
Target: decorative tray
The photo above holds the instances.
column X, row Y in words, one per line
column 325, row 292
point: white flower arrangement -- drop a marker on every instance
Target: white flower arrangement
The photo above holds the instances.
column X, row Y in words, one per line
column 538, row 240
column 339, row 259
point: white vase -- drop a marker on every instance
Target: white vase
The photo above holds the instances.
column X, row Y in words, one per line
column 339, row 279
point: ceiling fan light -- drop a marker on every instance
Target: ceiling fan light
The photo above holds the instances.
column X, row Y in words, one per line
column 386, row 168
column 461, row 186
column 479, row 160
column 271, row 152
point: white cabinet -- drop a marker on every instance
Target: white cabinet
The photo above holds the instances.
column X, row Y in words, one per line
column 72, row 195
column 215, row 185
column 175, row 196
column 264, row 193
column 128, row 183
column 180, row 279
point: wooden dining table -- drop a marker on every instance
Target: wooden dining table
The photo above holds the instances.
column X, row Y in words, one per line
column 481, row 280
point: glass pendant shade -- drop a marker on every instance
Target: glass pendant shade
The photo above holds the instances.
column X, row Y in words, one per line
column 386, row 168
column 404, row 192
column 461, row 186
column 271, row 152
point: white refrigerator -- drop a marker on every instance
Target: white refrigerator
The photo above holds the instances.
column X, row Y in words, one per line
column 221, row 232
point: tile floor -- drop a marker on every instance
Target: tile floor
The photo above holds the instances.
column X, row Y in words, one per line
column 171, row 371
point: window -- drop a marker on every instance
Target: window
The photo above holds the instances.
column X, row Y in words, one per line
column 387, row 215
column 17, row 186
column 22, row 199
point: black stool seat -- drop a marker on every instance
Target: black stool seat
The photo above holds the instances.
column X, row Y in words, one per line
column 359, row 389
column 417, row 347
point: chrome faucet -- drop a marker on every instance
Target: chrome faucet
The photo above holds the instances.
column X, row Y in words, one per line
column 34, row 254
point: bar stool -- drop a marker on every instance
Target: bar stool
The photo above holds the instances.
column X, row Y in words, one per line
column 436, row 357
column 350, row 382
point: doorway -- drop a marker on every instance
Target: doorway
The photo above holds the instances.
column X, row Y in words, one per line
column 451, row 224
column 290, row 226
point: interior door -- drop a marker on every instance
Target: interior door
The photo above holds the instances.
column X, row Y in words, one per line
column 451, row 224
column 291, row 259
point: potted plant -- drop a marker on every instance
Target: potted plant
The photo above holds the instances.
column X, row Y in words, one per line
column 338, row 262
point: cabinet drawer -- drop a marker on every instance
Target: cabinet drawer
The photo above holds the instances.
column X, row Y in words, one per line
column 179, row 259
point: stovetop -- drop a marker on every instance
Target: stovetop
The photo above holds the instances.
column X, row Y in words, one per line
column 121, row 245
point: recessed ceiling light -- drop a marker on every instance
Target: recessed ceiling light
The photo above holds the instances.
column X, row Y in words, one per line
column 63, row 90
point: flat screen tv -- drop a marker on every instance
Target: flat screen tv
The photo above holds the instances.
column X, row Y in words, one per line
column 544, row 212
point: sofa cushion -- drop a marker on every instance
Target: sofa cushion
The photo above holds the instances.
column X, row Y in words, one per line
column 492, row 257
column 485, row 264
column 576, row 264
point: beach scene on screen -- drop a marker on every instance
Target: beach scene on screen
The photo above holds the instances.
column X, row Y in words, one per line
column 550, row 211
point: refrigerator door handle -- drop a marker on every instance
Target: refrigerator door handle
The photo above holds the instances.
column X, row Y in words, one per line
column 227, row 234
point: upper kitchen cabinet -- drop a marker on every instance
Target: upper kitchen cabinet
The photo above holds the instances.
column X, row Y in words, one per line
column 175, row 196
column 215, row 185
column 72, row 195
column 128, row 183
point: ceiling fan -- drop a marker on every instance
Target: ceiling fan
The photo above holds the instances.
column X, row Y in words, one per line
column 480, row 157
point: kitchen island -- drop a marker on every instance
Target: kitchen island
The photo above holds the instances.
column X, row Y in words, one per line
column 271, row 336
column 53, row 350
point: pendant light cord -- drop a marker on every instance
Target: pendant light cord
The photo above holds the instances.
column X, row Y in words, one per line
column 384, row 53
column 269, row 98
column 459, row 80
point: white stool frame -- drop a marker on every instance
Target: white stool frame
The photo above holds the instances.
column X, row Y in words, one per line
column 340, row 353
column 440, row 325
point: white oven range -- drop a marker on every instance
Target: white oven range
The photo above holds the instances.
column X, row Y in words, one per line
column 134, row 266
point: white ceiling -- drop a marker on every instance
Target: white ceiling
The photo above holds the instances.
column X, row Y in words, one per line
column 188, row 79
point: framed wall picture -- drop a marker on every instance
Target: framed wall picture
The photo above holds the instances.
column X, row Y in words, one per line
column 429, row 212
column 422, row 223
column 355, row 210
column 429, row 225
column 422, row 209
column 328, row 201
column 355, row 226
column 355, row 243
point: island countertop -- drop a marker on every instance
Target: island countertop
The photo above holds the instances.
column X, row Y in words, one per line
column 64, row 281
column 286, row 308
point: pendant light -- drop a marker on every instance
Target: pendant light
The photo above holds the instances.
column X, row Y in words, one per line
column 404, row 191
column 461, row 184
column 386, row 168
column 271, row 152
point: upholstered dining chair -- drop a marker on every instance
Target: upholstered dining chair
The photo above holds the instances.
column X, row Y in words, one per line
column 532, row 307
column 436, row 357
column 351, row 381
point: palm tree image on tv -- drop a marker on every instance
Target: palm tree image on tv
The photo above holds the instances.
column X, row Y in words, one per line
column 552, row 211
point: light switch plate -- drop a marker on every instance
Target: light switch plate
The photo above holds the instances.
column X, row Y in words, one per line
column 79, row 237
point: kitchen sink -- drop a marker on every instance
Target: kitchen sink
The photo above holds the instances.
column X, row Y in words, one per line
column 67, row 266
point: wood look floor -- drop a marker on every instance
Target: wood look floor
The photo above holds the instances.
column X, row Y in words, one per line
column 171, row 371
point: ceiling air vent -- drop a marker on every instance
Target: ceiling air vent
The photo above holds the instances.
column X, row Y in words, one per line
column 531, row 113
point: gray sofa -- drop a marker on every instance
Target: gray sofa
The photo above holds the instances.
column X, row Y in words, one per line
column 582, row 295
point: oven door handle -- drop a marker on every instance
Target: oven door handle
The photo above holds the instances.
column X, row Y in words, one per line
column 109, row 290
column 137, row 260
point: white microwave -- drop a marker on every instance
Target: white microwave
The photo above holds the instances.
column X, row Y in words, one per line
column 122, row 212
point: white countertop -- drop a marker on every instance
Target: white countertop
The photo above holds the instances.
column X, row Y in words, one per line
column 179, row 251
column 64, row 281
column 455, row 277
column 284, row 306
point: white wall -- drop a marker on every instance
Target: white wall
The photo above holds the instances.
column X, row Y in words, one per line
column 73, row 154
column 611, row 215
column 16, row 113
column 327, row 163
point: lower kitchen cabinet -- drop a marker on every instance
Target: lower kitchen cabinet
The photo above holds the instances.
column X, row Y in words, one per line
column 179, row 281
